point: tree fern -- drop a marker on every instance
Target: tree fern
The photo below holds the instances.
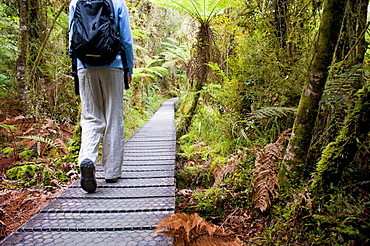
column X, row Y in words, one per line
column 150, row 70
column 202, row 11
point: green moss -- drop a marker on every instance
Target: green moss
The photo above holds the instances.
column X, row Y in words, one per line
column 26, row 153
column 218, row 162
column 23, row 173
column 211, row 202
column 36, row 175
column 47, row 176
column 60, row 175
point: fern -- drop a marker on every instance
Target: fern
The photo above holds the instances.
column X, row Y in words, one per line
column 265, row 180
column 34, row 132
column 270, row 112
column 150, row 71
column 192, row 230
column 21, row 123
column 175, row 54
column 42, row 140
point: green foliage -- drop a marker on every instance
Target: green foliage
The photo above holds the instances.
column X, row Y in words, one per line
column 75, row 144
column 54, row 92
column 177, row 61
column 151, row 70
column 252, row 88
column 193, row 176
column 26, row 174
column 176, row 53
column 8, row 47
column 43, row 140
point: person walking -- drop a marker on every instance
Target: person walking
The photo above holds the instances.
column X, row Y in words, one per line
column 101, row 89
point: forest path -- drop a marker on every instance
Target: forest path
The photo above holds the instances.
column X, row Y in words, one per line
column 122, row 213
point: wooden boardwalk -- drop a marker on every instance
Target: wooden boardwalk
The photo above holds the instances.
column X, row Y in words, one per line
column 122, row 213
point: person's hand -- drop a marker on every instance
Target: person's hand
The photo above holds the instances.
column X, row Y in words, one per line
column 129, row 78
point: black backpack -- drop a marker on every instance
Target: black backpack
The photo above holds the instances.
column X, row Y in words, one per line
column 95, row 39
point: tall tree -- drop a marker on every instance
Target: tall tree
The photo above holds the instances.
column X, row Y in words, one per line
column 332, row 18
column 340, row 152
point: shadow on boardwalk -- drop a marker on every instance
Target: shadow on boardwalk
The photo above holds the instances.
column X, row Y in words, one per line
column 123, row 213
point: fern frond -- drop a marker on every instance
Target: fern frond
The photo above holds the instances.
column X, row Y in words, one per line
column 231, row 165
column 202, row 10
column 265, row 180
column 42, row 140
column 193, row 230
column 270, row 112
column 21, row 123
column 43, row 144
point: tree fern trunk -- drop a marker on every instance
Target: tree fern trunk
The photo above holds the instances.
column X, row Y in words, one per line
column 331, row 21
column 203, row 57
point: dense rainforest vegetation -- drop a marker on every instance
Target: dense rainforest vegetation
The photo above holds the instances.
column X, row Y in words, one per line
column 273, row 116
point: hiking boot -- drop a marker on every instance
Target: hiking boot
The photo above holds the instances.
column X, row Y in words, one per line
column 114, row 180
column 88, row 181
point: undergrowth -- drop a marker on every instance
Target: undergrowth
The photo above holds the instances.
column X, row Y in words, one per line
column 215, row 180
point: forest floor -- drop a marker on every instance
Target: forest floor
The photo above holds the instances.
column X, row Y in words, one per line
column 19, row 205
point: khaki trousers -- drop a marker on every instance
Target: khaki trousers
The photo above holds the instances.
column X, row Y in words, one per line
column 101, row 92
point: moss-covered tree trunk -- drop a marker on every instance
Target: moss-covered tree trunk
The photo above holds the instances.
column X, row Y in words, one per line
column 339, row 154
column 331, row 22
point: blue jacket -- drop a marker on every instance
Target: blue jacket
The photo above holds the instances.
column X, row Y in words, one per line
column 121, row 15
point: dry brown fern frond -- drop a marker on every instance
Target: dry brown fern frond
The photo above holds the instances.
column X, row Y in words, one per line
column 265, row 180
column 192, row 230
column 220, row 173
column 21, row 123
